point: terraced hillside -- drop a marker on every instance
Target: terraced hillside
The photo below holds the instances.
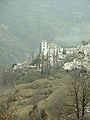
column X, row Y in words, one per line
column 43, row 99
column 48, row 94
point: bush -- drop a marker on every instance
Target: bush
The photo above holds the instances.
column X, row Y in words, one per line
column 29, row 76
column 37, row 114
column 6, row 111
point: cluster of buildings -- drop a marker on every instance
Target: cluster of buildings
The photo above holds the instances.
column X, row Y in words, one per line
column 52, row 55
column 52, row 52
column 81, row 58
column 27, row 64
column 67, row 58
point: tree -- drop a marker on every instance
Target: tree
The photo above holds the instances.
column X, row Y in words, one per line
column 84, row 42
column 43, row 114
column 6, row 111
column 9, row 77
column 80, row 95
column 84, row 96
column 75, row 96
column 64, row 51
column 37, row 114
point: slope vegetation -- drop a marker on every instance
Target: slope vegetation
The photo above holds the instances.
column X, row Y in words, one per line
column 11, row 48
column 48, row 94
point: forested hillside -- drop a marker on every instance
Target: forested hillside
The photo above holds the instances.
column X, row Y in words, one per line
column 11, row 48
column 31, row 21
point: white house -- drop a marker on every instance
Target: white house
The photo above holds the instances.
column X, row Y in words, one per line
column 52, row 53
column 68, row 66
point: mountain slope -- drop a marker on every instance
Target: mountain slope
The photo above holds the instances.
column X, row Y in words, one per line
column 11, row 48
column 66, row 23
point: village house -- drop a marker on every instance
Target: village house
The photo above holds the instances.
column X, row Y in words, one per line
column 52, row 51
column 83, row 58
column 71, row 50
column 27, row 64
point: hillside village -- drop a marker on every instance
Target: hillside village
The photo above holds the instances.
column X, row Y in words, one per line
column 44, row 59
column 51, row 55
column 56, row 81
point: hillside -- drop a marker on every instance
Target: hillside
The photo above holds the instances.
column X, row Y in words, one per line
column 52, row 96
column 63, row 22
column 43, row 92
column 12, row 49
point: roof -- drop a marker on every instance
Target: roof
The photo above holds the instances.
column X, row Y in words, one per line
column 52, row 46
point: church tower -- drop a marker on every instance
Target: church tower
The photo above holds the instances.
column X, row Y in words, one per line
column 44, row 48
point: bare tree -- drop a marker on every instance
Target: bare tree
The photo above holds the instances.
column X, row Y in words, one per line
column 80, row 94
column 84, row 99
column 75, row 96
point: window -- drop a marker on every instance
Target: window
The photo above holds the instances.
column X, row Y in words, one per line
column 43, row 44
